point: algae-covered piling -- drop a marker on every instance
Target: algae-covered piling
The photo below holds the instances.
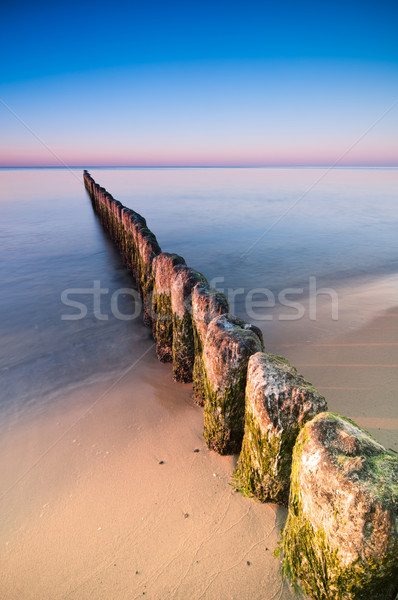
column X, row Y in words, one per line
column 207, row 304
column 341, row 540
column 228, row 346
column 278, row 403
column 163, row 269
column 183, row 281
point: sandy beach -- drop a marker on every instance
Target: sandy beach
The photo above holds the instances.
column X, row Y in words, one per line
column 122, row 506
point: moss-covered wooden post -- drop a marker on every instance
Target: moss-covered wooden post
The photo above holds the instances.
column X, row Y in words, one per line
column 111, row 204
column 147, row 249
column 125, row 247
column 141, row 248
column 279, row 402
column 118, row 233
column 341, row 539
column 88, row 183
column 131, row 220
column 162, row 315
column 207, row 303
column 183, row 281
column 104, row 207
column 228, row 346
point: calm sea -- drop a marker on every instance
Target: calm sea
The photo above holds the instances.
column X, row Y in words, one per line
column 245, row 229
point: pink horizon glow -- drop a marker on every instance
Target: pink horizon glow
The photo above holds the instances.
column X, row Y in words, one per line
column 198, row 161
column 185, row 157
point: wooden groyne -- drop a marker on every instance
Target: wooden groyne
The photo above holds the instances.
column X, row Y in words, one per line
column 340, row 485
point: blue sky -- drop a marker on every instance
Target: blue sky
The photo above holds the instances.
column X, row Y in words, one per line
column 158, row 83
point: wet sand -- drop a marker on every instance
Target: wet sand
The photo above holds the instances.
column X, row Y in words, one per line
column 121, row 504
column 358, row 374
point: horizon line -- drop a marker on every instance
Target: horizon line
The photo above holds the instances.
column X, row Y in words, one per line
column 204, row 166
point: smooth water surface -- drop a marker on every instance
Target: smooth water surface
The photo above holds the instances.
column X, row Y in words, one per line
column 250, row 228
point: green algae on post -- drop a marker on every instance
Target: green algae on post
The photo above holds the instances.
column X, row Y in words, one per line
column 278, row 403
column 228, row 346
column 183, row 280
column 162, row 314
column 340, row 540
column 148, row 250
column 207, row 303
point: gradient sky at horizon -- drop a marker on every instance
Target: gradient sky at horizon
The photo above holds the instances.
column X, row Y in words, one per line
column 155, row 83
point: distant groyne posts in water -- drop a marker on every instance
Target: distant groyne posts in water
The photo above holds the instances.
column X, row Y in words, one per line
column 340, row 485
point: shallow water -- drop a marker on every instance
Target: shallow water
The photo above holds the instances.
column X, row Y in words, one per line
column 51, row 241
column 243, row 228
column 260, row 233
column 269, row 227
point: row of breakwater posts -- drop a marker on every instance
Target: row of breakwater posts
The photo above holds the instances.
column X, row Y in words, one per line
column 340, row 540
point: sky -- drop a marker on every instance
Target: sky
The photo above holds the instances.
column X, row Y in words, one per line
column 155, row 83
